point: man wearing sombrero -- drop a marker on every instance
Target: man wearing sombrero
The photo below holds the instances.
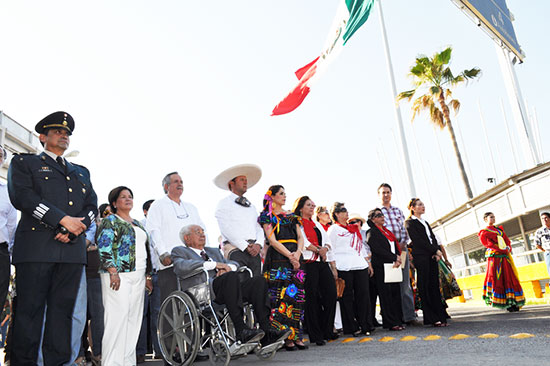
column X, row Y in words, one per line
column 237, row 218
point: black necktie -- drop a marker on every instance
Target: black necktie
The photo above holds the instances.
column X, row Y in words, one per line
column 61, row 163
column 242, row 201
column 204, row 256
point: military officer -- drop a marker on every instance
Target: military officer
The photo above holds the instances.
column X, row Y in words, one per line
column 57, row 204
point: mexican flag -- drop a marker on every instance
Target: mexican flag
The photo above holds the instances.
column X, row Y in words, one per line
column 351, row 15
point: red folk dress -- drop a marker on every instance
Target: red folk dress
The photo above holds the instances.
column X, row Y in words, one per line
column 501, row 288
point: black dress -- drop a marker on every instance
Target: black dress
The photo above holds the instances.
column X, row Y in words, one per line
column 427, row 271
column 285, row 284
column 388, row 293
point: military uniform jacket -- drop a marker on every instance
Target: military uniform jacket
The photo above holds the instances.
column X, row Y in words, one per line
column 44, row 193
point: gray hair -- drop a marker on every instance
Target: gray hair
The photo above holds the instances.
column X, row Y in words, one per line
column 166, row 181
column 186, row 230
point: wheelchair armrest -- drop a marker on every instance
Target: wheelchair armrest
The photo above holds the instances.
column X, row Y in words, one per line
column 245, row 269
column 196, row 272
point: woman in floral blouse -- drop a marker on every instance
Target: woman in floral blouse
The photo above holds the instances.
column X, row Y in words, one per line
column 125, row 271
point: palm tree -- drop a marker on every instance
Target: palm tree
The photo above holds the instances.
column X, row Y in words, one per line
column 435, row 78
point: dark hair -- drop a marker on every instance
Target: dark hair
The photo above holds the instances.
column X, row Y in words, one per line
column 384, row 185
column 229, row 183
column 102, row 209
column 336, row 207
column 487, row 214
column 373, row 212
column 274, row 190
column 166, row 180
column 547, row 214
column 411, row 204
column 115, row 193
column 146, row 205
column 299, row 204
column 318, row 210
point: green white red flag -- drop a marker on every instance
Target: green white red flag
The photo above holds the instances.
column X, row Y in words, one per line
column 351, row 15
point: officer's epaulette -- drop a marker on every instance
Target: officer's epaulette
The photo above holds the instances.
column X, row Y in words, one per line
column 23, row 154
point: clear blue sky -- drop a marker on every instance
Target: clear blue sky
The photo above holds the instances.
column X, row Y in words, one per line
column 189, row 86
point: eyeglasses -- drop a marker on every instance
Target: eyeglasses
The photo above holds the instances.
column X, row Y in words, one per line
column 343, row 209
column 355, row 222
column 179, row 215
column 379, row 215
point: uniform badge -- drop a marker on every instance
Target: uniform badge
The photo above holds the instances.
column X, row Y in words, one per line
column 45, row 169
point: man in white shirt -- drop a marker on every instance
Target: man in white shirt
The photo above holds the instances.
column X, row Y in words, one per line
column 166, row 217
column 237, row 218
column 542, row 238
column 8, row 223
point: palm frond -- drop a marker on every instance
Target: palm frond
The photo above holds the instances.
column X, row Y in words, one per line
column 472, row 73
column 443, row 57
column 408, row 94
column 455, row 105
column 435, row 90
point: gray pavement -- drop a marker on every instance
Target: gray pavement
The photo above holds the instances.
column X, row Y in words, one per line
column 472, row 321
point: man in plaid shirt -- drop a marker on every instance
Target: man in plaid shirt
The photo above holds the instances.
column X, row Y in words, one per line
column 395, row 223
column 542, row 238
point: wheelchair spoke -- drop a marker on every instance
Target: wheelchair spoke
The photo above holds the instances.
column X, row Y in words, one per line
column 169, row 333
column 170, row 320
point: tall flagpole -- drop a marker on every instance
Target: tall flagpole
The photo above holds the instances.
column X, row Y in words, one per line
column 403, row 142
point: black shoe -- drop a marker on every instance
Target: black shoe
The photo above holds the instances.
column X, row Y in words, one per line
column 290, row 348
column 333, row 337
column 302, row 346
column 140, row 358
column 201, row 356
column 376, row 324
column 250, row 335
column 274, row 336
column 321, row 343
column 357, row 333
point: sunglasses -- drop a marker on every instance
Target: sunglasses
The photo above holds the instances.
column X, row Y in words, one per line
column 355, row 222
column 343, row 209
column 379, row 215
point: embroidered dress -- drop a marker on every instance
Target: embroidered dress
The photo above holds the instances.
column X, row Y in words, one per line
column 285, row 284
column 501, row 288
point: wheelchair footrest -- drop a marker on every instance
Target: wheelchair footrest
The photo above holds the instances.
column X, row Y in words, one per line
column 237, row 348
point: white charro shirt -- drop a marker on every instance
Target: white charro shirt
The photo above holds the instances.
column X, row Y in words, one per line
column 238, row 223
column 8, row 217
column 165, row 219
column 210, row 264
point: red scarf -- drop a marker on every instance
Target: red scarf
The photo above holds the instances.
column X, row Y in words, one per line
column 311, row 235
column 357, row 241
column 389, row 235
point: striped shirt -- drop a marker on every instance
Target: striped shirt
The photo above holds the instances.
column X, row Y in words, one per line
column 395, row 223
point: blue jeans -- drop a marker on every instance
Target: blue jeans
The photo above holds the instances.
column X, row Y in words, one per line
column 153, row 302
column 95, row 311
column 79, row 319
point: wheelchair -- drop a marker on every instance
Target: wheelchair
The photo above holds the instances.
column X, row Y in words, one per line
column 191, row 322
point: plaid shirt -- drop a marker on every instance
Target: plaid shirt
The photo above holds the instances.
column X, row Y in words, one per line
column 542, row 238
column 395, row 223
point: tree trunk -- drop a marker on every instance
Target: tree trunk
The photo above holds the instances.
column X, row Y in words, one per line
column 450, row 128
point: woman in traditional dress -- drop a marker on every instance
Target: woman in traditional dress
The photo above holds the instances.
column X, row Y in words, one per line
column 385, row 249
column 426, row 255
column 321, row 273
column 501, row 288
column 352, row 262
column 282, row 267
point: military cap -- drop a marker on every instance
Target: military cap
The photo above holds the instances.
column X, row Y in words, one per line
column 56, row 120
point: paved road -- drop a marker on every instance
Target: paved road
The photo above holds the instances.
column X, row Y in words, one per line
column 414, row 346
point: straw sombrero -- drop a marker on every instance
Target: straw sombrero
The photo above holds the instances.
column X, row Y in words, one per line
column 252, row 172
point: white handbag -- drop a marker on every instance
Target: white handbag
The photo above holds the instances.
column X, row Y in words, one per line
column 392, row 275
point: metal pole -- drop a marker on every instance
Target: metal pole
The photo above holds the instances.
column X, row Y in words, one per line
column 509, row 137
column 518, row 109
column 403, row 142
column 487, row 141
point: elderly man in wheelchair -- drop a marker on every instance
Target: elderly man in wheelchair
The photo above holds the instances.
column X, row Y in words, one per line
column 212, row 309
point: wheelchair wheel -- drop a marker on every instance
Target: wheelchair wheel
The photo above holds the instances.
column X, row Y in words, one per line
column 219, row 353
column 178, row 329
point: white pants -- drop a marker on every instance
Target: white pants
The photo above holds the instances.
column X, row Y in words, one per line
column 123, row 315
